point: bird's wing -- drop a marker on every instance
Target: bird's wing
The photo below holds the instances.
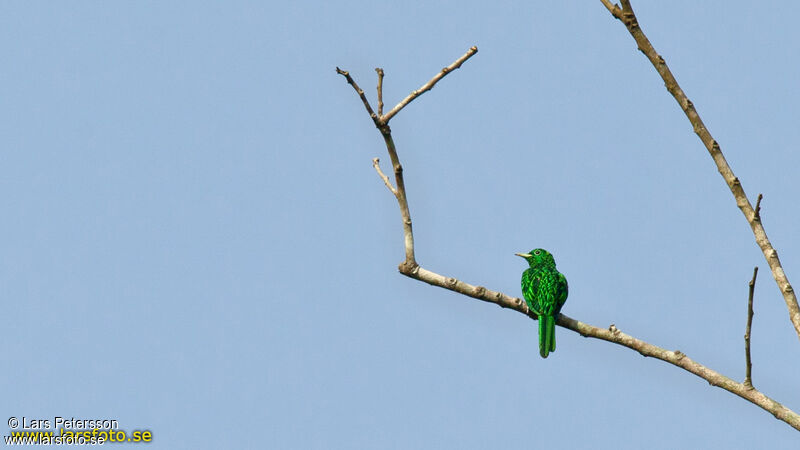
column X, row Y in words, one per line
column 562, row 290
column 530, row 288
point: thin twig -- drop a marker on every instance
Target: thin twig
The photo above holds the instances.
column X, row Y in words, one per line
column 360, row 93
column 748, row 379
column 632, row 24
column 432, row 82
column 380, row 90
column 376, row 165
column 758, row 208
column 613, row 8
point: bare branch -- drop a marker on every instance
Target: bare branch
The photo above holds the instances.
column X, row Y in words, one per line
column 382, row 120
column 380, row 90
column 360, row 93
column 376, row 165
column 632, row 24
column 382, row 123
column 429, row 85
column 748, row 379
column 614, row 335
column 613, row 8
column 400, row 193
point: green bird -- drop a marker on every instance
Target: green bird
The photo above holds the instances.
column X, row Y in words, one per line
column 545, row 291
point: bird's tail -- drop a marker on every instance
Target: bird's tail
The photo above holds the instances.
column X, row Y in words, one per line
column 547, row 335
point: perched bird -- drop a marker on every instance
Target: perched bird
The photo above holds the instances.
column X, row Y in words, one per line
column 545, row 291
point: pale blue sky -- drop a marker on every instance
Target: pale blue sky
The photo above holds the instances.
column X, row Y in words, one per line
column 195, row 242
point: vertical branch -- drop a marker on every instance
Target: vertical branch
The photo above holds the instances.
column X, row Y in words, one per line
column 748, row 379
column 380, row 90
column 628, row 18
column 408, row 234
column 757, row 213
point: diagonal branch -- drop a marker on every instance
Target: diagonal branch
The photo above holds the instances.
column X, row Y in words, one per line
column 429, row 85
column 627, row 17
column 613, row 8
column 376, row 163
column 614, row 335
column 360, row 93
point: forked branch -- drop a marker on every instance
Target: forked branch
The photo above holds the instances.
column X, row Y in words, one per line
column 382, row 123
column 410, row 268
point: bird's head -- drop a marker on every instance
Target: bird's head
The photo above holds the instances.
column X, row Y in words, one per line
column 538, row 258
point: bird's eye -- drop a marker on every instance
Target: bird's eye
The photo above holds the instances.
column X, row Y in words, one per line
column 536, row 252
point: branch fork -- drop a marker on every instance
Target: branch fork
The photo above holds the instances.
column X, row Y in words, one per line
column 409, row 266
column 411, row 269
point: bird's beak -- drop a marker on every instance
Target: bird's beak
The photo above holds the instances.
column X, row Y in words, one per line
column 524, row 255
